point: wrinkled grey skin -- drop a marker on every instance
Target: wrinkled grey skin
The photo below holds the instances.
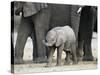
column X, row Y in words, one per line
column 62, row 38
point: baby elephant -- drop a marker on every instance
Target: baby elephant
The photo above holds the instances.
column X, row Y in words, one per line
column 62, row 38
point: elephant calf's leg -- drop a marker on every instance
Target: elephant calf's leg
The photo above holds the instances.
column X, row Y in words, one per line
column 50, row 56
column 68, row 58
column 59, row 55
column 74, row 57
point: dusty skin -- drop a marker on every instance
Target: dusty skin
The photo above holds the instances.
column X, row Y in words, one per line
column 30, row 67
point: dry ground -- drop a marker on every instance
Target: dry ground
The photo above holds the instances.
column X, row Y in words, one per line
column 30, row 67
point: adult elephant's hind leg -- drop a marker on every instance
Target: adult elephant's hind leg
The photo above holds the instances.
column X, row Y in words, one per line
column 87, row 51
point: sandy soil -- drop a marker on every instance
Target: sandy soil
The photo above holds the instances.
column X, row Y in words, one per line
column 30, row 67
column 35, row 68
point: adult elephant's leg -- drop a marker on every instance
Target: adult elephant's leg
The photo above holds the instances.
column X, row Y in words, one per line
column 79, row 49
column 23, row 33
column 41, row 23
column 88, row 56
column 88, row 38
column 35, row 52
column 87, row 50
column 86, row 26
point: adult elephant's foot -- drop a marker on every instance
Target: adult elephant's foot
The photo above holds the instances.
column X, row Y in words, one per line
column 40, row 60
column 18, row 61
column 88, row 58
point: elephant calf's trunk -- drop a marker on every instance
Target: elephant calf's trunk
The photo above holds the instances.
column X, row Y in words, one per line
column 45, row 43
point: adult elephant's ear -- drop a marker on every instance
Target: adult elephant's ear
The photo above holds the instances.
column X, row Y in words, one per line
column 59, row 41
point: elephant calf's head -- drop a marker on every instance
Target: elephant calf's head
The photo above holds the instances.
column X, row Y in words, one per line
column 50, row 38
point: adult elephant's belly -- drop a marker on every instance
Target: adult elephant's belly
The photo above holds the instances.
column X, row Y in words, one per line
column 60, row 15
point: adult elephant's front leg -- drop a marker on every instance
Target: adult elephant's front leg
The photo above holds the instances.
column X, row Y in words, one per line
column 23, row 33
column 59, row 54
column 38, row 45
column 41, row 23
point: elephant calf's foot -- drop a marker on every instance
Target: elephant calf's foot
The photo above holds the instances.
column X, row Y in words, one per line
column 88, row 58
